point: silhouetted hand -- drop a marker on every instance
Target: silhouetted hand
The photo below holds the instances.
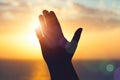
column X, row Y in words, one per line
column 56, row 50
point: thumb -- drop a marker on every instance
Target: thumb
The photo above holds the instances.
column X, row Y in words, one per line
column 73, row 44
column 76, row 36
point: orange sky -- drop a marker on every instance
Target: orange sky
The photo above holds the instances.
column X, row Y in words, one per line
column 100, row 38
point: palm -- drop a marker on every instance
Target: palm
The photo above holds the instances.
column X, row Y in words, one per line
column 55, row 48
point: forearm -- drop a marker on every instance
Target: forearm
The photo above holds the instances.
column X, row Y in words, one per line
column 62, row 71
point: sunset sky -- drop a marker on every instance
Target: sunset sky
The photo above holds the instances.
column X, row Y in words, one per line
column 100, row 20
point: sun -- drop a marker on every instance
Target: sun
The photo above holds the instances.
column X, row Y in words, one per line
column 31, row 36
column 32, row 39
column 35, row 25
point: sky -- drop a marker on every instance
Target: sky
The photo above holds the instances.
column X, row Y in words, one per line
column 100, row 20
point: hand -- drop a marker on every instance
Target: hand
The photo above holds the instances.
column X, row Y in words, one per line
column 56, row 50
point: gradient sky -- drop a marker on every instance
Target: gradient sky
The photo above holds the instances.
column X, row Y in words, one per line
column 100, row 20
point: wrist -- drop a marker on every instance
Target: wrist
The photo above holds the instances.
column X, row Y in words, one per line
column 62, row 71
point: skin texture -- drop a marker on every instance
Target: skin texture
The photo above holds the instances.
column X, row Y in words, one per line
column 56, row 50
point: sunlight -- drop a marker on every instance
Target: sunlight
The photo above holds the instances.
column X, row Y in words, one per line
column 32, row 38
column 33, row 45
column 35, row 25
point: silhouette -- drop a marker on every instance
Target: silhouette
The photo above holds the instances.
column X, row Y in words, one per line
column 56, row 50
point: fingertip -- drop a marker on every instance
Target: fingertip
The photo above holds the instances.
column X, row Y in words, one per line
column 51, row 11
column 45, row 12
column 79, row 30
column 77, row 35
column 40, row 15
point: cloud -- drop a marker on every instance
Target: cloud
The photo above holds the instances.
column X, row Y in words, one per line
column 93, row 12
column 8, row 16
column 90, row 17
column 65, row 10
column 13, row 10
column 4, row 4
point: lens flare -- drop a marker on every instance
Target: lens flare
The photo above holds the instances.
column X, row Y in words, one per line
column 110, row 68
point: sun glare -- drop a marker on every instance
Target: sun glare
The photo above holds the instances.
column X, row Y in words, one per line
column 31, row 35
column 35, row 25
column 32, row 38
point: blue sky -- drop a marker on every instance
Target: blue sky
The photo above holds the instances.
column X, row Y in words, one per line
column 107, row 4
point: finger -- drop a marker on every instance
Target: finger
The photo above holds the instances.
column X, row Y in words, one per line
column 40, row 38
column 42, row 21
column 76, row 36
column 45, row 14
column 53, row 19
column 54, row 23
column 71, row 47
column 39, row 34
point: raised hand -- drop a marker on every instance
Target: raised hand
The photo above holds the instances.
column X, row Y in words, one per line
column 56, row 50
